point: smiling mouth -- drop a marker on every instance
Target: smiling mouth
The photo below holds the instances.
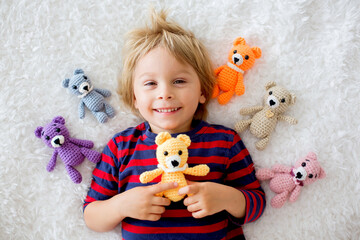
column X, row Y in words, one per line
column 166, row 110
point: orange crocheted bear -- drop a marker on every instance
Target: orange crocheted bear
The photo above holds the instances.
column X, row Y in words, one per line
column 230, row 76
column 172, row 155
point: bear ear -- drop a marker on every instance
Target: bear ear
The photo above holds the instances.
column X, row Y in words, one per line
column 185, row 139
column 322, row 173
column 38, row 132
column 311, row 156
column 78, row 71
column 162, row 137
column 293, row 99
column 239, row 41
column 65, row 82
column 59, row 119
column 270, row 85
column 256, row 51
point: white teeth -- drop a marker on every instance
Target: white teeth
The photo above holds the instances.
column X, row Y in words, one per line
column 167, row 110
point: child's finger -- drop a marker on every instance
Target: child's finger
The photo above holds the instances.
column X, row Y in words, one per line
column 160, row 187
column 189, row 189
column 160, row 201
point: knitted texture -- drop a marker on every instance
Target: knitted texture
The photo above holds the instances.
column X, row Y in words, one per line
column 72, row 151
column 172, row 156
column 264, row 121
column 230, row 76
column 287, row 182
column 92, row 98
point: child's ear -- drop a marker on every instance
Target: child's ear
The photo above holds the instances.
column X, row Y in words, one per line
column 202, row 99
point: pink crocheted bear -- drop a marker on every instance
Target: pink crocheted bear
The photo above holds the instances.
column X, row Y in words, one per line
column 72, row 151
column 285, row 181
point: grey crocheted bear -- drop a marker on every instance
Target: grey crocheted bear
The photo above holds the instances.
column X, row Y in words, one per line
column 92, row 98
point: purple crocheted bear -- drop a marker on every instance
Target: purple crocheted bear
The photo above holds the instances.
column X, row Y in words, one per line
column 72, row 151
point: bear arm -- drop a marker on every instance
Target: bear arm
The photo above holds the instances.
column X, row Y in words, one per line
column 250, row 110
column 104, row 92
column 219, row 69
column 52, row 162
column 82, row 143
column 199, row 170
column 81, row 109
column 295, row 194
column 288, row 119
column 148, row 176
column 281, row 168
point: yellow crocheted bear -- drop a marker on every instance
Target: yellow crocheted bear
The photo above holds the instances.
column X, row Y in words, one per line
column 172, row 156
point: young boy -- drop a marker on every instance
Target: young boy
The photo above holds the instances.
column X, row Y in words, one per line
column 167, row 78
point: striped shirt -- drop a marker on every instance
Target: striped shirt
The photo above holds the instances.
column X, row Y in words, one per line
column 133, row 151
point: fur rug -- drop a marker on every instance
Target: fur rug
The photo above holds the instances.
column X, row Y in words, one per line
column 310, row 47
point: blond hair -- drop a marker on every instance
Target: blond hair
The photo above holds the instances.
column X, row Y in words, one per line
column 181, row 43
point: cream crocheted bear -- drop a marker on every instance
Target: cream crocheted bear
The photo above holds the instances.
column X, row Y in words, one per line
column 262, row 124
column 172, row 155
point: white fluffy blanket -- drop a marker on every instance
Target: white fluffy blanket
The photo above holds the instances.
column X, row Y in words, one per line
column 311, row 47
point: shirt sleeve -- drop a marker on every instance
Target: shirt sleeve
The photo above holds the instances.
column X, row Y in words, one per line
column 105, row 179
column 241, row 175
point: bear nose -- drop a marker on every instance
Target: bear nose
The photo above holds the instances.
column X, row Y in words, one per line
column 86, row 88
column 236, row 60
column 174, row 163
column 272, row 102
column 299, row 175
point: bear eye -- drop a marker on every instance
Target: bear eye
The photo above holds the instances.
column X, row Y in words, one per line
column 311, row 176
column 235, row 51
column 303, row 164
column 57, row 130
column 270, row 93
column 180, row 152
column 166, row 153
column 47, row 137
column 85, row 77
column 74, row 87
column 42, row 133
column 246, row 57
column 283, row 100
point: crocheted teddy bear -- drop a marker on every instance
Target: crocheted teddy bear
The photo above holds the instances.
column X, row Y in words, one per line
column 230, row 76
column 72, row 151
column 262, row 124
column 285, row 181
column 172, row 156
column 92, row 98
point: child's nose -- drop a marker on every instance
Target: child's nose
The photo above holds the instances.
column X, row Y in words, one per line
column 165, row 93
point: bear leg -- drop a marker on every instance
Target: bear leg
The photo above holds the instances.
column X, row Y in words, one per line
column 242, row 125
column 216, row 91
column 74, row 174
column 260, row 145
column 100, row 116
column 92, row 155
column 225, row 97
column 264, row 174
column 109, row 110
column 279, row 200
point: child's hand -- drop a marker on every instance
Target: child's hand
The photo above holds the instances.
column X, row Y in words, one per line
column 141, row 202
column 208, row 198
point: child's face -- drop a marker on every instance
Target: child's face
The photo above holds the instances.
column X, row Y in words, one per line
column 167, row 92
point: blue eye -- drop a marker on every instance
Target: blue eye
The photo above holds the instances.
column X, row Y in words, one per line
column 149, row 83
column 179, row 81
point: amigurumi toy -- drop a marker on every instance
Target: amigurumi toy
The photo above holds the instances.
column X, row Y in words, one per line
column 262, row 124
column 72, row 151
column 230, row 76
column 92, row 98
column 285, row 181
column 172, row 156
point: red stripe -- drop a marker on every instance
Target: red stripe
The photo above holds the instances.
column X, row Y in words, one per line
column 103, row 190
column 104, row 175
column 251, row 186
column 260, row 195
column 235, row 233
column 89, row 200
column 107, row 159
column 178, row 213
column 205, row 160
column 194, row 229
column 210, row 130
column 247, row 207
column 240, row 173
column 238, row 157
column 208, row 145
column 112, row 147
column 254, row 207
